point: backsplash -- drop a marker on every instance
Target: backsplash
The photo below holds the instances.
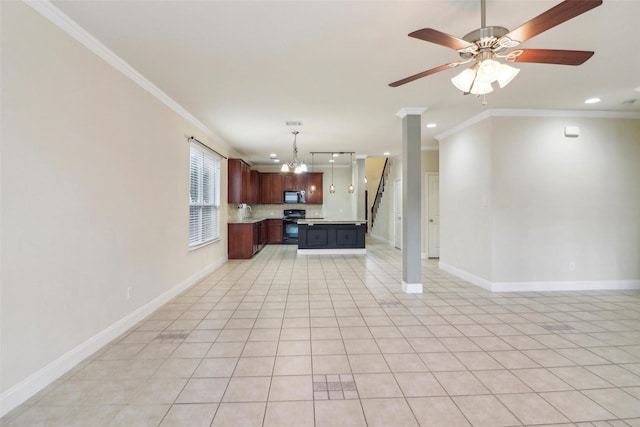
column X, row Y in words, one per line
column 271, row 211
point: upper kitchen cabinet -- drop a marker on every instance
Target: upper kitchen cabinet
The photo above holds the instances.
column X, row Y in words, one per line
column 314, row 188
column 254, row 189
column 287, row 182
column 239, row 179
column 271, row 188
column 294, row 181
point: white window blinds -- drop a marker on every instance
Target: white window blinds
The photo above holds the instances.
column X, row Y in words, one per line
column 204, row 196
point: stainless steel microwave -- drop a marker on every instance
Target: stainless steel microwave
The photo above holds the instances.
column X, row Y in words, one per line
column 294, row 197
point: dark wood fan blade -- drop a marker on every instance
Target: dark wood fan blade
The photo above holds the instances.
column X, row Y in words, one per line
column 550, row 56
column 423, row 74
column 558, row 14
column 437, row 37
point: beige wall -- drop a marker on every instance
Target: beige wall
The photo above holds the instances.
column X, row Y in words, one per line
column 465, row 199
column 94, row 200
column 430, row 161
column 560, row 200
column 520, row 202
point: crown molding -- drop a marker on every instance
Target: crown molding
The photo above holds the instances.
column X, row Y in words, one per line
column 411, row 111
column 69, row 26
column 503, row 112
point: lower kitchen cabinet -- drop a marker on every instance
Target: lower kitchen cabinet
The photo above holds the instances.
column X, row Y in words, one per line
column 274, row 230
column 246, row 239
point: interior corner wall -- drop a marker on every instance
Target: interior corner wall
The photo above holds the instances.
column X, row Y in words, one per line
column 465, row 201
column 566, row 209
column 94, row 198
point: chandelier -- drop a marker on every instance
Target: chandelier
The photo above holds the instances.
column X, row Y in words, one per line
column 295, row 164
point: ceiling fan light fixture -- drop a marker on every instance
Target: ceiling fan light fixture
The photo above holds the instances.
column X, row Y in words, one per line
column 488, row 70
column 464, row 80
column 284, row 168
column 507, row 73
column 481, row 88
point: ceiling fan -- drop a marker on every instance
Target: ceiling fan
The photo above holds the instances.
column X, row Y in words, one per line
column 482, row 46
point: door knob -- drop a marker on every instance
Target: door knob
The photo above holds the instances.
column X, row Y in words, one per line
column 430, row 220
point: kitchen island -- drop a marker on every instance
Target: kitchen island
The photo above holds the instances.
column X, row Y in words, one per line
column 324, row 236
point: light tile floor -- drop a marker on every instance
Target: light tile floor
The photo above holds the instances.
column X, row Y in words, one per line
column 286, row 340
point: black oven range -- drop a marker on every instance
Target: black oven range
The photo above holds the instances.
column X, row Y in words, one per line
column 290, row 225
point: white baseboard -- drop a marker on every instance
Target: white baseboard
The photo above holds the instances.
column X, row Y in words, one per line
column 465, row 275
column 381, row 239
column 547, row 286
column 595, row 285
column 22, row 391
column 411, row 288
column 355, row 251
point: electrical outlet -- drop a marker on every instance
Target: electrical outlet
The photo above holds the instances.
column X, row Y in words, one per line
column 572, row 266
column 130, row 292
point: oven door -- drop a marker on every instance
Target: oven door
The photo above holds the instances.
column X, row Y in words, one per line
column 290, row 231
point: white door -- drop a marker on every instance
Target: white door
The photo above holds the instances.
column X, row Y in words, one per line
column 397, row 213
column 433, row 215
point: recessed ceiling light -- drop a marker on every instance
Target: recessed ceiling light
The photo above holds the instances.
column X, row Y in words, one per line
column 431, row 125
column 272, row 155
column 276, row 160
column 594, row 100
column 386, row 153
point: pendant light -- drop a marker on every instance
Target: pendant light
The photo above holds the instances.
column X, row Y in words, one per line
column 351, row 188
column 332, row 188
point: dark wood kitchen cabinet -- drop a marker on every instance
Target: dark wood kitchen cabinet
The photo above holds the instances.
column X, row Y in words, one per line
column 271, row 188
column 294, row 181
column 254, row 188
column 274, row 231
column 288, row 182
column 246, row 239
column 239, row 181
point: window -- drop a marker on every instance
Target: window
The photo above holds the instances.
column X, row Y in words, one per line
column 204, row 197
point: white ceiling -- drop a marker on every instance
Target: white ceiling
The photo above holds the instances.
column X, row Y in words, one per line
column 244, row 68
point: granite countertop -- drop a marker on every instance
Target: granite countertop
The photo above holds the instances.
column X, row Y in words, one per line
column 249, row 220
column 311, row 221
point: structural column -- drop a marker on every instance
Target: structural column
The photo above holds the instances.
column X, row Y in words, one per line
column 411, row 199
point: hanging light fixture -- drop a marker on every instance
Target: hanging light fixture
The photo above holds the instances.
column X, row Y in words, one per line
column 478, row 79
column 312, row 187
column 295, row 164
column 332, row 188
column 351, row 188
